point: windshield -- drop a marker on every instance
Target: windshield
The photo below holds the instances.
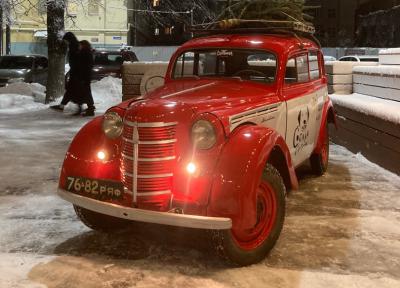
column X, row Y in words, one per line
column 253, row 65
column 11, row 62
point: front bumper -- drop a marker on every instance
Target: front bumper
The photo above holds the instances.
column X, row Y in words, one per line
column 165, row 218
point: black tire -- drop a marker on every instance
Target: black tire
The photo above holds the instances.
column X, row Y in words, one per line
column 100, row 222
column 320, row 161
column 224, row 241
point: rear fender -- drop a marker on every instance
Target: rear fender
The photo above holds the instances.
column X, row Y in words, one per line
column 238, row 173
column 328, row 116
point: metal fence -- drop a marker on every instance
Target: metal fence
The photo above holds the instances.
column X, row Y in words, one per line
column 164, row 53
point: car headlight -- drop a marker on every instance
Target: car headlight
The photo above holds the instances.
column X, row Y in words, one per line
column 112, row 125
column 203, row 134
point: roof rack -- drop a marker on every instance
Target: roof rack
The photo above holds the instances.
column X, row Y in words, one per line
column 233, row 25
column 243, row 26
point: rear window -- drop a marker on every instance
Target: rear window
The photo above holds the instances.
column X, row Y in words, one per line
column 369, row 59
column 252, row 65
column 108, row 59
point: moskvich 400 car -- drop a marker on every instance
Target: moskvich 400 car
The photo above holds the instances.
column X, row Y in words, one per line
column 215, row 148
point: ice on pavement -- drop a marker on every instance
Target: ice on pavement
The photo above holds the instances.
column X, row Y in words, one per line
column 341, row 230
column 23, row 97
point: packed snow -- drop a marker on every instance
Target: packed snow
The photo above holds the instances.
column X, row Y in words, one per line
column 342, row 230
column 370, row 105
column 382, row 70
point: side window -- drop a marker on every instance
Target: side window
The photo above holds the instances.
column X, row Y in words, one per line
column 302, row 68
column 314, row 65
column 297, row 70
column 184, row 66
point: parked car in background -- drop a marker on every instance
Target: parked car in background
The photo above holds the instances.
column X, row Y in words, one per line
column 23, row 68
column 329, row 58
column 109, row 63
column 360, row 58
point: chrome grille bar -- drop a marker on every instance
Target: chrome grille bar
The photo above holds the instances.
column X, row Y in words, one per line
column 150, row 125
column 149, row 159
column 135, row 139
column 151, row 142
column 166, row 175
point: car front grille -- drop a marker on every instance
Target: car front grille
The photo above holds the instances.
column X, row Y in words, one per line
column 148, row 158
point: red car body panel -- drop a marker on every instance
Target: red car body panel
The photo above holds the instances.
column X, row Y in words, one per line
column 225, row 184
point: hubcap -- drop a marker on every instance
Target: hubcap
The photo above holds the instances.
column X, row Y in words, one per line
column 249, row 239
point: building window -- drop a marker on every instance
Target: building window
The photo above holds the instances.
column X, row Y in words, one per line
column 156, row 3
column 157, row 31
column 93, row 7
column 168, row 30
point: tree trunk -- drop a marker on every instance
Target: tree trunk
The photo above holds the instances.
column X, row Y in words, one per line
column 8, row 39
column 1, row 31
column 56, row 49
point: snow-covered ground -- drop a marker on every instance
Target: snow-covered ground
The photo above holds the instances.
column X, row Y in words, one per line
column 24, row 97
column 341, row 230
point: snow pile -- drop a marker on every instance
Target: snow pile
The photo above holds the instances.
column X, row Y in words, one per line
column 12, row 103
column 21, row 97
column 380, row 108
column 107, row 93
column 28, row 89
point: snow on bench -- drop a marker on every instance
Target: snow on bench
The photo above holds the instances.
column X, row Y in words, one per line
column 340, row 75
column 389, row 56
column 379, row 81
column 369, row 105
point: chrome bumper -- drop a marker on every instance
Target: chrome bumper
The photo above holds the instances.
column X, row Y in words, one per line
column 165, row 218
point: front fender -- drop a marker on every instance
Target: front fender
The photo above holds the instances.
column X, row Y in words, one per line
column 81, row 158
column 238, row 173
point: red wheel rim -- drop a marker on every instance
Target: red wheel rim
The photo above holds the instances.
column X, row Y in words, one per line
column 325, row 149
column 249, row 239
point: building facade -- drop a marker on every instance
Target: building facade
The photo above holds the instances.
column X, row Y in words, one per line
column 102, row 22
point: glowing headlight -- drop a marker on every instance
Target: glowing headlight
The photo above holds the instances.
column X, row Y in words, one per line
column 203, row 135
column 112, row 125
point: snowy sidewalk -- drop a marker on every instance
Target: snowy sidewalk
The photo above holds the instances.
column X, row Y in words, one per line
column 341, row 230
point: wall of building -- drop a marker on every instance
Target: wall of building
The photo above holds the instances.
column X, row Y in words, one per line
column 103, row 25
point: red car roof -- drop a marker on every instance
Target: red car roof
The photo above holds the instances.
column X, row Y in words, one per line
column 281, row 44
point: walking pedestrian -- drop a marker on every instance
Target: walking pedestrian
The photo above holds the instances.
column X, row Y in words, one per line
column 73, row 82
column 85, row 68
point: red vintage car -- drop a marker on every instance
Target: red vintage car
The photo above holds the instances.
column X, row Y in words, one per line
column 215, row 148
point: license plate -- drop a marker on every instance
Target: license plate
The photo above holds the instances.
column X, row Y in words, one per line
column 95, row 188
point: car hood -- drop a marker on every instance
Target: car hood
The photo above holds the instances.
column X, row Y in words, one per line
column 214, row 95
column 13, row 73
column 182, row 101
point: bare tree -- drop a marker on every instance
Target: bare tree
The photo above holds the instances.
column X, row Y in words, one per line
column 56, row 49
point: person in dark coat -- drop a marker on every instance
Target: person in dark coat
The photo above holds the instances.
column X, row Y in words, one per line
column 72, row 85
column 85, row 69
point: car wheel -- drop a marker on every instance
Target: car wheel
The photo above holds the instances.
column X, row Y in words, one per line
column 250, row 246
column 319, row 161
column 100, row 222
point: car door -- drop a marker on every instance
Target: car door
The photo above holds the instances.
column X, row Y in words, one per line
column 301, row 104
